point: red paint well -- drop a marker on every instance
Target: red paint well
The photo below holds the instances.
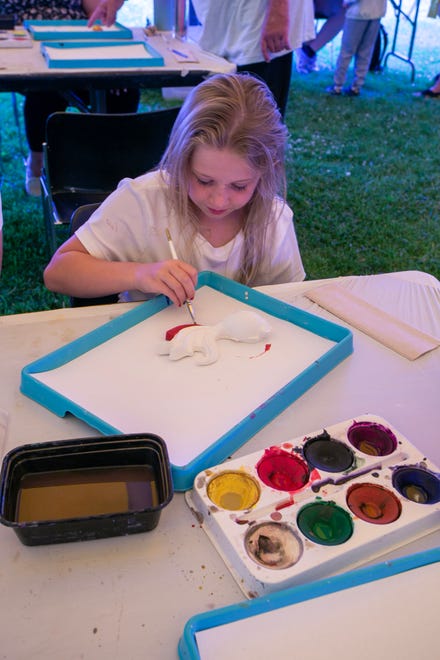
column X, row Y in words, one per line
column 282, row 470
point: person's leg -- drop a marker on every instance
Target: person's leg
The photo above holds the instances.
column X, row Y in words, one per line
column 36, row 109
column 122, row 100
column 364, row 51
column 349, row 44
column 334, row 12
column 276, row 74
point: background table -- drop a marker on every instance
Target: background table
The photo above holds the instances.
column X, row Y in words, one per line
column 129, row 597
column 24, row 69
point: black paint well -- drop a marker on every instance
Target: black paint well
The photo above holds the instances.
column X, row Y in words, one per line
column 326, row 453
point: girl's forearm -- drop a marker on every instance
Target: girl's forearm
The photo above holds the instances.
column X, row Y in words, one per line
column 78, row 274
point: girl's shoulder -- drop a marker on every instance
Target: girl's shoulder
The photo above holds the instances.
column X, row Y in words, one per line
column 150, row 181
column 147, row 191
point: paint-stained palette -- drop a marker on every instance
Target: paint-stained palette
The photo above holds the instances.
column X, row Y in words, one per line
column 316, row 505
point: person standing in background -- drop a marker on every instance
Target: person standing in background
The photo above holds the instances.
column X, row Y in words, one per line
column 361, row 27
column 257, row 36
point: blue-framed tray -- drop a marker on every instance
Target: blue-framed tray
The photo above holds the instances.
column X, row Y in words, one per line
column 361, row 613
column 45, row 30
column 115, row 379
column 99, row 54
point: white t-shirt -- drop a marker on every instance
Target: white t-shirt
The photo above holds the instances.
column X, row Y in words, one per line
column 366, row 10
column 232, row 28
column 130, row 226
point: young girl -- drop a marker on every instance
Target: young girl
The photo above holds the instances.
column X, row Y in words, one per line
column 215, row 190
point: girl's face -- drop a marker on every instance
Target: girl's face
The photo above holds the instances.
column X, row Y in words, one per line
column 220, row 183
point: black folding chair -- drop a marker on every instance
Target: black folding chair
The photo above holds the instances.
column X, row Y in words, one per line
column 86, row 155
column 79, row 217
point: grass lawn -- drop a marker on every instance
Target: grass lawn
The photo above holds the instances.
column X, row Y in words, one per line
column 363, row 177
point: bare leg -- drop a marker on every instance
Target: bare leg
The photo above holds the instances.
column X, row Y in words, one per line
column 329, row 30
column 334, row 13
column 34, row 162
column 34, row 165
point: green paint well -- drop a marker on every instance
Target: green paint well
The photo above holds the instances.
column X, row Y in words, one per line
column 325, row 523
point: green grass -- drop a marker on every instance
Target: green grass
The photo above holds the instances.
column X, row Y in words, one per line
column 363, row 180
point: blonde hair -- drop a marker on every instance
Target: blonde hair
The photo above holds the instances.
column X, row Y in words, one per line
column 237, row 112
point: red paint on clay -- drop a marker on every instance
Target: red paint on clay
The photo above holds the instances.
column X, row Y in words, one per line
column 172, row 332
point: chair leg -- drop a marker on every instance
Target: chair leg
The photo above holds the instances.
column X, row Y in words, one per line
column 17, row 124
column 48, row 222
column 46, row 199
column 50, row 236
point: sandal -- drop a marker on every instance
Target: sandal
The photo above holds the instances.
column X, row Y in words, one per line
column 430, row 94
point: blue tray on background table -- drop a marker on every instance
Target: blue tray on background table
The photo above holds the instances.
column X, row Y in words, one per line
column 43, row 30
column 99, row 54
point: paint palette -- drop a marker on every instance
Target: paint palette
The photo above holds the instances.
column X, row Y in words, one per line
column 317, row 505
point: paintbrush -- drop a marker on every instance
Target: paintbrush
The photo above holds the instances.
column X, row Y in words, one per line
column 174, row 256
column 315, row 486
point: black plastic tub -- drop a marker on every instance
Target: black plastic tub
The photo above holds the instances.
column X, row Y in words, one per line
column 84, row 489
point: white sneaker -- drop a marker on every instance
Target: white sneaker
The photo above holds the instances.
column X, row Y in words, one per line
column 32, row 184
column 305, row 63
